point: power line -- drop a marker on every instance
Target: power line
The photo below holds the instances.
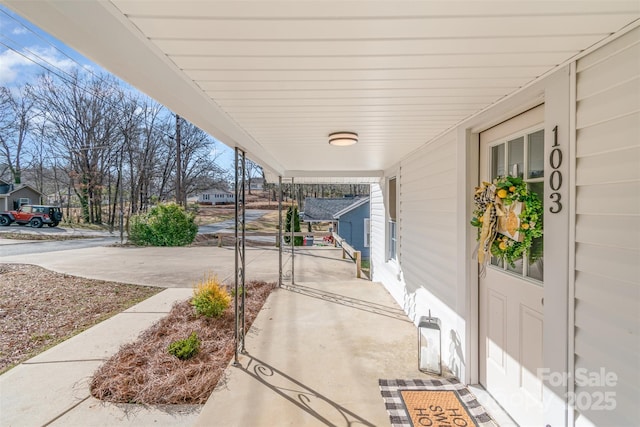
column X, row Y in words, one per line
column 71, row 79
column 48, row 42
column 36, row 32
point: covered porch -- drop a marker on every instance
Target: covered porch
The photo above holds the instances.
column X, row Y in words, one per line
column 415, row 86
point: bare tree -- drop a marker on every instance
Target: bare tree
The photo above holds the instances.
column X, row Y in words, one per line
column 199, row 168
column 82, row 116
column 253, row 172
column 16, row 119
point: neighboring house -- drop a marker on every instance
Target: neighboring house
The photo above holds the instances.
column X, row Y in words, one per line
column 354, row 225
column 323, row 209
column 216, row 197
column 257, row 184
column 350, row 218
column 12, row 196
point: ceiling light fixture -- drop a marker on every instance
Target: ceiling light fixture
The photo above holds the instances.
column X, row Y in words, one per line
column 343, row 139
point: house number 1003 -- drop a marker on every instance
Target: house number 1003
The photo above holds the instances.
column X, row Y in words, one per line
column 555, row 180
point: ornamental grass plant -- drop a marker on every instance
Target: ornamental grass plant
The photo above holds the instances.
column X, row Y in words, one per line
column 210, row 298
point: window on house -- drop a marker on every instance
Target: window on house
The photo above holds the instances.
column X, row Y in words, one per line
column 367, row 232
column 523, row 156
column 393, row 237
column 24, row 201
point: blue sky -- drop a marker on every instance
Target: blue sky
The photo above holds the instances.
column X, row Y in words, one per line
column 35, row 49
column 25, row 50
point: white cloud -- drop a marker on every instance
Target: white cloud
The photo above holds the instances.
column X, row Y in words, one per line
column 19, row 31
column 26, row 65
column 10, row 64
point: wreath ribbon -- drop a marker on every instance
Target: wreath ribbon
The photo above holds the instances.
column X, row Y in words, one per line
column 486, row 199
column 507, row 208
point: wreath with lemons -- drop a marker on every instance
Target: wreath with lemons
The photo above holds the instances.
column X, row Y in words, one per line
column 508, row 217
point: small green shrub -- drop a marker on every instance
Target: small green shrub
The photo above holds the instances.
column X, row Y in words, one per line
column 186, row 348
column 240, row 292
column 210, row 298
column 164, row 225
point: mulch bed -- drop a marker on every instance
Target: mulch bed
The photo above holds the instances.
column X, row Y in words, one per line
column 144, row 372
column 40, row 308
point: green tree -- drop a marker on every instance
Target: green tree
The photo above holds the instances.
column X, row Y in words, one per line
column 292, row 216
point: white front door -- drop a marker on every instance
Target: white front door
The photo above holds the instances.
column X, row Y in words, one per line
column 511, row 296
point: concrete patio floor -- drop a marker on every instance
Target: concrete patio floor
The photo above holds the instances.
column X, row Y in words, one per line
column 314, row 356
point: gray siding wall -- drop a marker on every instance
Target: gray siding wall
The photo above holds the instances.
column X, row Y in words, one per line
column 26, row 192
column 607, row 257
column 351, row 228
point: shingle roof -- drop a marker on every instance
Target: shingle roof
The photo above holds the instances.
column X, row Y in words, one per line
column 317, row 209
column 357, row 203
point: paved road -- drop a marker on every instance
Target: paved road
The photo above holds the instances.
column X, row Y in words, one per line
column 250, row 215
column 24, row 247
column 92, row 238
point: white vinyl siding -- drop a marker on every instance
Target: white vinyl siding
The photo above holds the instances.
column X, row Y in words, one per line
column 425, row 276
column 378, row 226
column 607, row 233
column 428, row 214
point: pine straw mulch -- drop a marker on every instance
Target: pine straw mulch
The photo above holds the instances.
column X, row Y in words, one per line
column 40, row 308
column 144, row 372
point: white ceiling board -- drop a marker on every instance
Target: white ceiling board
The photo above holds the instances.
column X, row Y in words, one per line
column 276, row 77
column 376, row 47
column 393, row 72
column 224, row 95
column 338, row 9
column 322, row 85
column 309, row 28
column 379, row 62
column 478, row 101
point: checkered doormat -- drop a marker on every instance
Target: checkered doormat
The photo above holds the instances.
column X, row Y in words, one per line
column 392, row 391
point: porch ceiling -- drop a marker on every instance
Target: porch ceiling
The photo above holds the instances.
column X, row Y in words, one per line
column 276, row 77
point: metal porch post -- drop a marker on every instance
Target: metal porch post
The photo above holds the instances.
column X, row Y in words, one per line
column 293, row 222
column 280, row 231
column 240, row 254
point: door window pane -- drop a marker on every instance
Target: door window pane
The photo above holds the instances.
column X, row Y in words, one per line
column 536, row 154
column 535, row 270
column 536, row 262
column 516, row 157
column 497, row 161
column 538, row 188
column 508, row 158
column 517, row 268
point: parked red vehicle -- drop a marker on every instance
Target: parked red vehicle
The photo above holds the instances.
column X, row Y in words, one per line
column 34, row 215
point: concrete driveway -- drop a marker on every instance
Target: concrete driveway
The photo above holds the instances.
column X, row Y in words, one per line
column 181, row 267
